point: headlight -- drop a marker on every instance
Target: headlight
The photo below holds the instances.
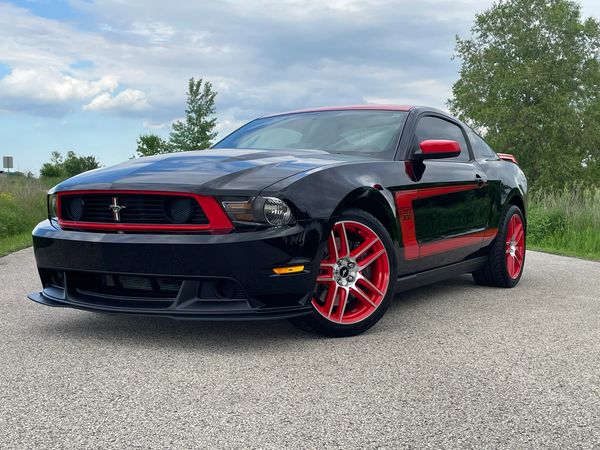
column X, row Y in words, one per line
column 52, row 207
column 259, row 210
column 276, row 211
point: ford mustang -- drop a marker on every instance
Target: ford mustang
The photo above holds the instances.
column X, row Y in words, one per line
column 318, row 216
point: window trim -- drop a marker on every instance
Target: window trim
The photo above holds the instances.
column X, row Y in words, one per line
column 413, row 143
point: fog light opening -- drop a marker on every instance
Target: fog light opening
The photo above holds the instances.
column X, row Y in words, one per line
column 57, row 279
column 225, row 290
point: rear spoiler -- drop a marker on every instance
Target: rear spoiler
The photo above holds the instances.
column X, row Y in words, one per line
column 507, row 157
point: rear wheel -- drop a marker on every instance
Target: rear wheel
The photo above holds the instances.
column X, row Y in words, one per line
column 357, row 277
column 507, row 253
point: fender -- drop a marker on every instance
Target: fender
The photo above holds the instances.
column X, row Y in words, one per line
column 378, row 202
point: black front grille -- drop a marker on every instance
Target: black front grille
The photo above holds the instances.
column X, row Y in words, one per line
column 135, row 209
column 143, row 292
column 125, row 285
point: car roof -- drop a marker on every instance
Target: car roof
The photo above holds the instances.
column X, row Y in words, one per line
column 404, row 108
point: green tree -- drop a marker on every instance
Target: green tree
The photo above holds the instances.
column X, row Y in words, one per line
column 151, row 144
column 196, row 131
column 72, row 165
column 530, row 82
column 54, row 168
column 49, row 170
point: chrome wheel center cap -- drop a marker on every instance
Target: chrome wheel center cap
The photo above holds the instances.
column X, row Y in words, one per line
column 512, row 248
column 345, row 271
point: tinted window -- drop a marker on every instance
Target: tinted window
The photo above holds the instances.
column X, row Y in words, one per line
column 434, row 128
column 356, row 131
column 480, row 148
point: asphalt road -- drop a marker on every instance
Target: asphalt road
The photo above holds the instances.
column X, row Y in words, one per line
column 450, row 365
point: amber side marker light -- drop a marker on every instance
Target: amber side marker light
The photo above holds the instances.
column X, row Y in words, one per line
column 289, row 269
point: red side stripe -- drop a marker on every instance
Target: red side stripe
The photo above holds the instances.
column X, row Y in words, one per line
column 445, row 245
column 406, row 216
column 412, row 248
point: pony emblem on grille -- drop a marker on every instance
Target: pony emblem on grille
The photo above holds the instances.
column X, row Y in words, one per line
column 116, row 209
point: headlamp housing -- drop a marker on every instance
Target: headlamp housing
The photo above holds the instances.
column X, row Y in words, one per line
column 258, row 211
column 52, row 207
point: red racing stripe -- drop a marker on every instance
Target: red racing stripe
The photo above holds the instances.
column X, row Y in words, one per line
column 412, row 248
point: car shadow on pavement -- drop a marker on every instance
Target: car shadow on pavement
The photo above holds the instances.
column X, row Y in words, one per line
column 161, row 332
column 432, row 293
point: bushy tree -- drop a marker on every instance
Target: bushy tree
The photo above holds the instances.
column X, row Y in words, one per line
column 530, row 81
column 72, row 165
column 151, row 144
column 196, row 132
column 54, row 168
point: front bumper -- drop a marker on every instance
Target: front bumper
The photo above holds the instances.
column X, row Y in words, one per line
column 193, row 267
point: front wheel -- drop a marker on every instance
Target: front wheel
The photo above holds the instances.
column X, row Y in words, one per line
column 507, row 253
column 357, row 277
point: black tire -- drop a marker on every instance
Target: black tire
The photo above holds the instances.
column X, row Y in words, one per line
column 316, row 322
column 495, row 272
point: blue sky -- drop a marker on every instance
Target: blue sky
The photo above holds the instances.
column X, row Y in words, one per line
column 90, row 76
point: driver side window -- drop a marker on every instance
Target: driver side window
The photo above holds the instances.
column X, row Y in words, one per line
column 433, row 128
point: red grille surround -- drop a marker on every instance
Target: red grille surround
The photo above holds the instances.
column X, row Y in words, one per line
column 218, row 221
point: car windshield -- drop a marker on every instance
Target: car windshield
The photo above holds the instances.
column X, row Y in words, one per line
column 346, row 131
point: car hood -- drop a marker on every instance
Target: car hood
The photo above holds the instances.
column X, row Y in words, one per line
column 207, row 171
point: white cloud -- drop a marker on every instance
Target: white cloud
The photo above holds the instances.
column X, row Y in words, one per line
column 428, row 92
column 262, row 56
column 227, row 125
column 126, row 101
column 45, row 84
column 156, row 33
column 154, row 125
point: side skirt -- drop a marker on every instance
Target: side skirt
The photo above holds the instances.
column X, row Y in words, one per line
column 440, row 273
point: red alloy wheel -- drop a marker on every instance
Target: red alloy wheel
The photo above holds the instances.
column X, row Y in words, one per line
column 515, row 246
column 354, row 275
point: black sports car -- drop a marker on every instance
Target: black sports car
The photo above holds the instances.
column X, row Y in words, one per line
column 315, row 215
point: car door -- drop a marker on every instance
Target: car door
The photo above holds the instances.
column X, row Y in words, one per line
column 445, row 211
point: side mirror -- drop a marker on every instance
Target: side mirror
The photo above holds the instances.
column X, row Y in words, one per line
column 437, row 149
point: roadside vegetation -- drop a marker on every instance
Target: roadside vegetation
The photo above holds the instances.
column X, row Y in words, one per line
column 22, row 206
column 565, row 222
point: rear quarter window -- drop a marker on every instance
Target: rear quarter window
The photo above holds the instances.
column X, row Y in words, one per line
column 480, row 148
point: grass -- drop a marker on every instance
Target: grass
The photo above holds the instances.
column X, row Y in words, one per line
column 22, row 206
column 13, row 243
column 565, row 222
